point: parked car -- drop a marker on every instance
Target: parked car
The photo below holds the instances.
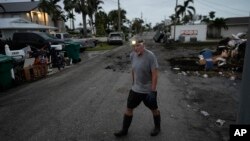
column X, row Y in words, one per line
column 85, row 43
column 116, row 38
column 36, row 40
column 62, row 36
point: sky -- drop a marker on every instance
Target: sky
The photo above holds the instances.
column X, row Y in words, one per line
column 155, row 11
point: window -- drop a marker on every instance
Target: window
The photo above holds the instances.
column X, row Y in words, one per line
column 58, row 36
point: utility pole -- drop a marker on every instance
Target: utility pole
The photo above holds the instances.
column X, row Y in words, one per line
column 175, row 17
column 244, row 114
column 119, row 16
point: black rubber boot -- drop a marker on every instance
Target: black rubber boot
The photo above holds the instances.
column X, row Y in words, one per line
column 126, row 123
column 157, row 129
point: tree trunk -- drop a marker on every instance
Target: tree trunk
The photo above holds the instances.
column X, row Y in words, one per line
column 91, row 24
column 30, row 16
column 84, row 25
column 56, row 25
column 73, row 23
column 44, row 17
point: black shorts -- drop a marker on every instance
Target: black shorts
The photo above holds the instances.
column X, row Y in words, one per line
column 149, row 100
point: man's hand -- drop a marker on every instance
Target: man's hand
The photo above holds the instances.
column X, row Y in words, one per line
column 151, row 97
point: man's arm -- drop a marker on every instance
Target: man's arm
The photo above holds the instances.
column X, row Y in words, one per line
column 154, row 79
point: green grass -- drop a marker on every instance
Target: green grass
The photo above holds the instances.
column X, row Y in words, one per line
column 101, row 46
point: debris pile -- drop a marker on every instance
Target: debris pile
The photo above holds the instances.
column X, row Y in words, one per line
column 119, row 63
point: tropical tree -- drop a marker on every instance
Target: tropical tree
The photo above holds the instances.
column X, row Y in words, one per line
column 208, row 19
column 54, row 10
column 69, row 6
column 58, row 15
column 185, row 11
column 101, row 23
column 1, row 6
column 174, row 19
column 137, row 26
column 148, row 26
column 211, row 15
column 214, row 25
column 113, row 18
column 93, row 7
column 70, row 15
column 219, row 23
column 81, row 8
column 45, row 8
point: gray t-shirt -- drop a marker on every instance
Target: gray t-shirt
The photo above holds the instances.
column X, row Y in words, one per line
column 142, row 66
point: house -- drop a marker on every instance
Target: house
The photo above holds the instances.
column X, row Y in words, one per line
column 186, row 33
column 10, row 25
column 30, row 12
column 235, row 25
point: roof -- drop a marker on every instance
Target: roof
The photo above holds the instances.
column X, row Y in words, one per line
column 15, row 7
column 19, row 23
column 238, row 21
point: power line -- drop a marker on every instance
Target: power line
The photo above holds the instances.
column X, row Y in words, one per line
column 112, row 1
column 218, row 8
column 227, row 10
column 241, row 10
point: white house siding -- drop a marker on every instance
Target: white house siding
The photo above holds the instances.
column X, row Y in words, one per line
column 198, row 31
column 25, row 16
column 35, row 19
column 233, row 30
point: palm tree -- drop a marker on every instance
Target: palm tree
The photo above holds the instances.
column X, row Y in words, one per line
column 69, row 6
column 148, row 26
column 58, row 15
column 1, row 6
column 219, row 23
column 174, row 19
column 93, row 7
column 71, row 16
column 137, row 25
column 101, row 23
column 44, row 7
column 208, row 19
column 82, row 8
column 212, row 15
column 205, row 19
column 214, row 25
column 185, row 10
column 54, row 10
column 113, row 18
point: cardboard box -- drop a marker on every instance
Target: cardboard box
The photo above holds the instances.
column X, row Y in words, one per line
column 34, row 71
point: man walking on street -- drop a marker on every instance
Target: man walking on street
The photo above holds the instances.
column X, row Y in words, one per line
column 144, row 76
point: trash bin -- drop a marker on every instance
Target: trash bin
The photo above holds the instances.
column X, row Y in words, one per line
column 73, row 51
column 193, row 39
column 5, row 71
column 181, row 39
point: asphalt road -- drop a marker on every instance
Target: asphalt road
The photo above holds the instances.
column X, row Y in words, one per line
column 86, row 103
